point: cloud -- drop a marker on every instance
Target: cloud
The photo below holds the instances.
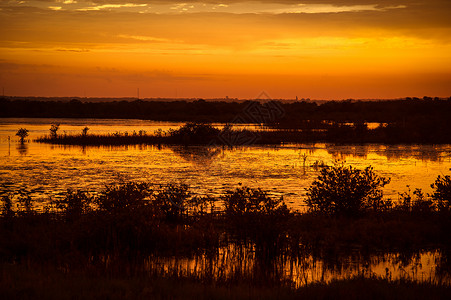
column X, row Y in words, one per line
column 73, row 50
column 110, row 6
column 144, row 38
column 236, row 7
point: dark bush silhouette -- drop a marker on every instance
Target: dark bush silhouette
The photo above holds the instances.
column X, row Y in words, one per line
column 172, row 201
column 442, row 192
column 22, row 133
column 245, row 201
column 419, row 202
column 7, row 206
column 125, row 197
column 341, row 190
column 195, row 133
column 84, row 131
column 54, row 130
column 75, row 204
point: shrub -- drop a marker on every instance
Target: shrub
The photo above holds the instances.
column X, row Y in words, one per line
column 74, row 204
column 442, row 192
column 347, row 190
column 418, row 203
column 123, row 197
column 84, row 131
column 54, row 130
column 195, row 133
column 172, row 201
column 22, row 133
column 247, row 201
column 7, row 206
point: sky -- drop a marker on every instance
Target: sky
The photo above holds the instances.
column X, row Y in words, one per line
column 317, row 49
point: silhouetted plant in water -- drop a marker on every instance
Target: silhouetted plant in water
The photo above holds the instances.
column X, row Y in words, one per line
column 54, row 130
column 22, row 133
column 84, row 131
column 419, row 202
column 172, row 201
column 342, row 190
column 195, row 133
column 253, row 215
column 202, row 205
column 75, row 204
column 7, row 207
column 442, row 192
column 25, row 203
column 245, row 201
column 124, row 197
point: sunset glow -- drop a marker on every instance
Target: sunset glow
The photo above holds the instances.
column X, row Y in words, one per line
column 319, row 49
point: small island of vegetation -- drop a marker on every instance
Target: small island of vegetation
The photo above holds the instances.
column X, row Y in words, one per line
column 409, row 120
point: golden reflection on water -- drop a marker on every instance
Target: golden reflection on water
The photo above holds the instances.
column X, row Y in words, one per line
column 46, row 170
column 286, row 171
column 236, row 263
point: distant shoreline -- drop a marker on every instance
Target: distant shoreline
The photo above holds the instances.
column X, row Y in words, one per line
column 411, row 120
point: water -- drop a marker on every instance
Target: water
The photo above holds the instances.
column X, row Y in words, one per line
column 47, row 170
column 238, row 263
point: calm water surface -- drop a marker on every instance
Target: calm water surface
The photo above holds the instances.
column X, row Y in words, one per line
column 232, row 263
column 46, row 170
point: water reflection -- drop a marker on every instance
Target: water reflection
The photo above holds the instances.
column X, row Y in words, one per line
column 238, row 263
column 283, row 170
column 199, row 155
column 391, row 152
column 22, row 148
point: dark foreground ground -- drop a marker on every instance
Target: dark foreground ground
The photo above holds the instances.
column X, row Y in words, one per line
column 21, row 282
column 112, row 246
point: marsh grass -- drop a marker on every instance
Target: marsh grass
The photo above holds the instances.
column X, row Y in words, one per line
column 192, row 133
column 132, row 235
column 135, row 219
column 199, row 133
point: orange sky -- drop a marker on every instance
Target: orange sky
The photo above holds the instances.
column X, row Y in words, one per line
column 319, row 49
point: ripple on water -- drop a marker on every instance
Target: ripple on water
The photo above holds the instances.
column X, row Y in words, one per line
column 281, row 170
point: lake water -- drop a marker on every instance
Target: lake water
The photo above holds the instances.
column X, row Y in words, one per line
column 46, row 170
column 234, row 262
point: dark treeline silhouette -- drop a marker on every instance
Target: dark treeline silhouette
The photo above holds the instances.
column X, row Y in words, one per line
column 150, row 110
column 303, row 114
column 401, row 121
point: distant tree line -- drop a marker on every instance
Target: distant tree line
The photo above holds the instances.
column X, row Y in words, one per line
column 295, row 114
column 425, row 120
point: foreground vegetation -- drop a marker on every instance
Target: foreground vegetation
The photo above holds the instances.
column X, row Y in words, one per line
column 134, row 240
